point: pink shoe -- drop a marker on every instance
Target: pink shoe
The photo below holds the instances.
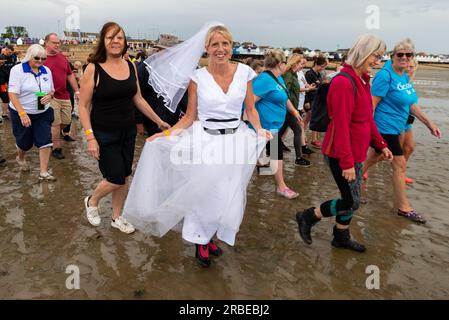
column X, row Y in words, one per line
column 287, row 193
column 409, row 180
column 316, row 144
column 365, row 176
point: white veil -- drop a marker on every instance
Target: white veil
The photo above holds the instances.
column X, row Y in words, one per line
column 170, row 70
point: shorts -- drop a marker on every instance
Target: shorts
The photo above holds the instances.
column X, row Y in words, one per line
column 39, row 133
column 63, row 111
column 275, row 145
column 4, row 97
column 116, row 153
column 393, row 144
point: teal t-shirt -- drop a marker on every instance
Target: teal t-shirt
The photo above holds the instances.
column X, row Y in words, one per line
column 272, row 106
column 398, row 95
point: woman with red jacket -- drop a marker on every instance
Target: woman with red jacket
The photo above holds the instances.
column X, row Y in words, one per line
column 350, row 132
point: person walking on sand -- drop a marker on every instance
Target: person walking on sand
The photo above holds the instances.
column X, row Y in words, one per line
column 109, row 92
column 350, row 132
column 394, row 99
column 205, row 188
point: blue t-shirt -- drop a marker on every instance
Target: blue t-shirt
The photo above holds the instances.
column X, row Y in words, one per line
column 398, row 95
column 272, row 106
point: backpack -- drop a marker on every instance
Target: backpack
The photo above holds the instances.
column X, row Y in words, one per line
column 320, row 118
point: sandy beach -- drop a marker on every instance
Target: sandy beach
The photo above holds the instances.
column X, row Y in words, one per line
column 43, row 229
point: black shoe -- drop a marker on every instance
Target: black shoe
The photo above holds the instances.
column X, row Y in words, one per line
column 284, row 147
column 306, row 220
column 202, row 255
column 68, row 138
column 214, row 249
column 302, row 162
column 306, row 150
column 2, row 160
column 342, row 239
column 57, row 153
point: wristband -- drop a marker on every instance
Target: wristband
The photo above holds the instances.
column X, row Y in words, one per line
column 22, row 114
column 167, row 132
column 88, row 132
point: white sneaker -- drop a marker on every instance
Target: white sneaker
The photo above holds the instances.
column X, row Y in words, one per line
column 23, row 164
column 92, row 213
column 123, row 225
column 46, row 176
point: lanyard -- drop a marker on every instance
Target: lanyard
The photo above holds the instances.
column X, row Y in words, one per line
column 38, row 82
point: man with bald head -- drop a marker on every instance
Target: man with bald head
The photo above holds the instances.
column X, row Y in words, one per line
column 62, row 74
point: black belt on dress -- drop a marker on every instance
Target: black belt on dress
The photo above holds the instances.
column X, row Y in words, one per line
column 220, row 131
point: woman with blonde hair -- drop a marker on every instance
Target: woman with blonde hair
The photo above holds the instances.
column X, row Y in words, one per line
column 197, row 173
column 272, row 103
column 292, row 84
column 394, row 99
column 350, row 132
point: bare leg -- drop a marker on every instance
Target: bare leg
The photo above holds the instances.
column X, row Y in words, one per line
column 21, row 154
column 118, row 200
column 103, row 189
column 371, row 159
column 44, row 157
column 55, row 132
column 401, row 199
column 408, row 145
column 278, row 169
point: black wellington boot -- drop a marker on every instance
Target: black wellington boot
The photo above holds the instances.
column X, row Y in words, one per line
column 306, row 220
column 342, row 239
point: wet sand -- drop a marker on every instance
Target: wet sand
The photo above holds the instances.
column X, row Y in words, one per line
column 43, row 229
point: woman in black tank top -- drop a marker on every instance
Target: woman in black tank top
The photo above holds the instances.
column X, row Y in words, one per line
column 109, row 91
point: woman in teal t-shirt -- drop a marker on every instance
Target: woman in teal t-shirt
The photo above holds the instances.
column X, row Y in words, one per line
column 272, row 104
column 394, row 99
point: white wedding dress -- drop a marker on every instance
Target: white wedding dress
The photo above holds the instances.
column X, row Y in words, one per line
column 197, row 178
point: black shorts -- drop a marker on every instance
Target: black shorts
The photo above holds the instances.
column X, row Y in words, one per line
column 116, row 153
column 274, row 148
column 4, row 97
column 393, row 144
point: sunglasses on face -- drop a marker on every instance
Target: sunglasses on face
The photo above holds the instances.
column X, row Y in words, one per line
column 401, row 54
column 39, row 58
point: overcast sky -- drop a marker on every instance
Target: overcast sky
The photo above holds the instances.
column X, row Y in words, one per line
column 322, row 24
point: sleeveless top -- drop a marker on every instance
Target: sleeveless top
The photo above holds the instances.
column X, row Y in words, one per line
column 217, row 109
column 112, row 101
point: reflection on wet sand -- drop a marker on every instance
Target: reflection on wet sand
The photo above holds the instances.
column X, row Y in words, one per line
column 43, row 229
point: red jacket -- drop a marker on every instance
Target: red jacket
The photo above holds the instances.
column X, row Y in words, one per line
column 351, row 129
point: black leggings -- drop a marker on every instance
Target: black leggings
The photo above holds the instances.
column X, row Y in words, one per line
column 290, row 121
column 275, row 145
column 349, row 202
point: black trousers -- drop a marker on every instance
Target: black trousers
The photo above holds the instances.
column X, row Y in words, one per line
column 291, row 122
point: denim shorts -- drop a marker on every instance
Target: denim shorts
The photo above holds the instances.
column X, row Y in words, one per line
column 39, row 133
column 116, row 153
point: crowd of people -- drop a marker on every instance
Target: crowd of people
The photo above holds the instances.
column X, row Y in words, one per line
column 231, row 114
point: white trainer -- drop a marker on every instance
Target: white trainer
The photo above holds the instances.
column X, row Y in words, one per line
column 123, row 225
column 46, row 176
column 92, row 213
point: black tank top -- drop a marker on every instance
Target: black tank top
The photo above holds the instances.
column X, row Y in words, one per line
column 112, row 102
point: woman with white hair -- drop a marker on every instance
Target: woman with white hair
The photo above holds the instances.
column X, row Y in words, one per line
column 394, row 99
column 350, row 132
column 30, row 91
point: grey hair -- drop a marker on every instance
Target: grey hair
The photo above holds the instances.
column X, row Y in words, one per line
column 34, row 50
column 406, row 44
column 363, row 47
